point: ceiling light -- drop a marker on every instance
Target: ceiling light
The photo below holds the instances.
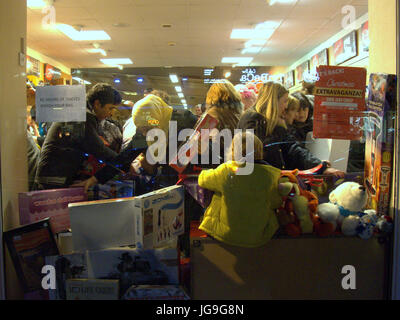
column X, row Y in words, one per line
column 174, row 78
column 185, row 79
column 116, row 61
column 75, row 35
column 255, row 42
column 102, row 51
column 38, row 4
column 185, row 105
column 227, row 74
column 178, row 89
column 117, row 80
column 260, row 33
column 268, row 25
column 183, row 101
column 181, row 95
column 140, row 80
column 240, row 61
column 272, row 2
column 81, row 80
column 251, row 50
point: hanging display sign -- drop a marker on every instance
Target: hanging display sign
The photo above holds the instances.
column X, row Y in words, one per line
column 300, row 70
column 364, row 37
column 61, row 103
column 339, row 103
column 320, row 59
column 345, row 48
column 51, row 73
column 32, row 67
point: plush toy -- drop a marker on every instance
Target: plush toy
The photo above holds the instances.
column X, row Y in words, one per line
column 344, row 209
column 298, row 212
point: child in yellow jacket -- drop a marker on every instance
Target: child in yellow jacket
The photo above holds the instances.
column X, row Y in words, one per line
column 242, row 210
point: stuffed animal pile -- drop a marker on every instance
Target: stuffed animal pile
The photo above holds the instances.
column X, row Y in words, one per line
column 344, row 212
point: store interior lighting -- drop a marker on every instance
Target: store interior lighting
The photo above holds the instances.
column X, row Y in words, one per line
column 178, row 89
column 39, row 4
column 174, row 78
column 76, row 35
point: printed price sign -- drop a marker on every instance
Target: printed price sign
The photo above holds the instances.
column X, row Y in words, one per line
column 339, row 102
column 60, row 103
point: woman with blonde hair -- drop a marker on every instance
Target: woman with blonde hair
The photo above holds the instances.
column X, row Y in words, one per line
column 267, row 119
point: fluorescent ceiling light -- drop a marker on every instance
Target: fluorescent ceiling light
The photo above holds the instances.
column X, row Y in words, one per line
column 240, row 61
column 178, row 89
column 75, row 35
column 269, row 24
column 174, row 78
column 183, row 101
column 251, row 50
column 260, row 33
column 185, row 105
column 272, row 2
column 98, row 50
column 254, row 42
column 81, row 80
column 116, row 61
column 181, row 95
column 37, row 4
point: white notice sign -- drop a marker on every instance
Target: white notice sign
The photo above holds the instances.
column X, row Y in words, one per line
column 61, row 103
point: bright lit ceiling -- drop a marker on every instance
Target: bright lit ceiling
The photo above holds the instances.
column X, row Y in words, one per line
column 198, row 34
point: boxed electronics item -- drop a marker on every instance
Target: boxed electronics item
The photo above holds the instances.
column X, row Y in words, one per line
column 111, row 190
column 102, row 224
column 92, row 289
column 154, row 219
column 132, row 266
column 154, row 292
column 159, row 216
column 380, row 128
column 69, row 266
column 37, row 205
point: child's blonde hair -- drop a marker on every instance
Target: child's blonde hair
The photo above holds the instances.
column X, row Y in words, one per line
column 238, row 150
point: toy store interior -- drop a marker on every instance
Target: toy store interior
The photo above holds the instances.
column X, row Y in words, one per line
column 199, row 150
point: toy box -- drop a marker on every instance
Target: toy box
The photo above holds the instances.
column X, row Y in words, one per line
column 159, row 216
column 149, row 292
column 37, row 205
column 111, row 190
column 102, row 224
column 379, row 125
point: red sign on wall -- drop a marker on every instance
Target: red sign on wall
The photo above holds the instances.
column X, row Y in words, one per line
column 339, row 103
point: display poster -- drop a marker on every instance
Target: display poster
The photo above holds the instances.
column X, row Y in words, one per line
column 304, row 67
column 289, row 79
column 51, row 72
column 364, row 37
column 319, row 59
column 32, row 67
column 345, row 48
column 61, row 103
column 339, row 103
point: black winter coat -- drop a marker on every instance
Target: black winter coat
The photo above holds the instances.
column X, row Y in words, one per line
column 281, row 149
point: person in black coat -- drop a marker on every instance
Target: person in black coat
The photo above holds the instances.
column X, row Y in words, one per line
column 68, row 144
column 281, row 149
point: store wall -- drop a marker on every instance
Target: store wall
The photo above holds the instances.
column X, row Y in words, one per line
column 382, row 36
column 12, row 122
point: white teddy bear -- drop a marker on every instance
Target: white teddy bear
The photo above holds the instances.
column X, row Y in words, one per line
column 345, row 209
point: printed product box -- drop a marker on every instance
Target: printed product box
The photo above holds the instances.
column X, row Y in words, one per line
column 111, row 190
column 149, row 292
column 37, row 205
column 159, row 216
column 380, row 124
column 92, row 289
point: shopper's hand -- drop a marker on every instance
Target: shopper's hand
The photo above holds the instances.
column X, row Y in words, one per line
column 334, row 172
column 86, row 184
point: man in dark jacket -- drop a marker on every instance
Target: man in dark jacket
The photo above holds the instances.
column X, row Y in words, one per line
column 68, row 144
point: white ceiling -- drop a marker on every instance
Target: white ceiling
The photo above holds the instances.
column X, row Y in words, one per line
column 200, row 28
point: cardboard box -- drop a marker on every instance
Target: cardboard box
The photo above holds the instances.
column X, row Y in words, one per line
column 102, row 224
column 92, row 289
column 37, row 205
column 111, row 190
column 380, row 129
column 149, row 292
column 159, row 216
